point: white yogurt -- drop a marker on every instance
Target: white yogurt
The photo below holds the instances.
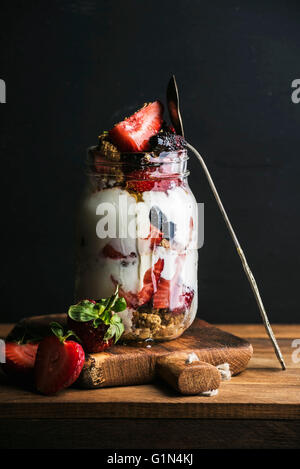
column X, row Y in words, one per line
column 95, row 272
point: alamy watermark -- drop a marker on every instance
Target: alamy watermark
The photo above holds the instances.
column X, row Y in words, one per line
column 295, row 96
column 2, row 351
column 296, row 353
column 2, row 92
column 125, row 220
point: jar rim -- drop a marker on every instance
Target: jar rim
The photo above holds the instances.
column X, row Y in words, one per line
column 137, row 165
column 139, row 159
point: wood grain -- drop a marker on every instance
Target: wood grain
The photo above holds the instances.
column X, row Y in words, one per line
column 249, row 331
column 134, row 433
column 188, row 379
column 261, row 392
column 128, row 365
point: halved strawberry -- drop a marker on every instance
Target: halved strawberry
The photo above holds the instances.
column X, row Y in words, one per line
column 20, row 359
column 150, row 281
column 58, row 364
column 133, row 133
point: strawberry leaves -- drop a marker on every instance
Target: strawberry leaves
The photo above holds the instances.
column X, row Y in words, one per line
column 102, row 311
column 83, row 311
column 115, row 329
column 58, row 331
column 120, row 305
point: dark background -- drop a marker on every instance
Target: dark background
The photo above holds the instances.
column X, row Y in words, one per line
column 72, row 68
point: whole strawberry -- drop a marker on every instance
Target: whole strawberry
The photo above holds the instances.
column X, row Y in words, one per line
column 58, row 361
column 92, row 338
column 97, row 324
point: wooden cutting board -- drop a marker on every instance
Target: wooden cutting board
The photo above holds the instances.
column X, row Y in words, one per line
column 129, row 365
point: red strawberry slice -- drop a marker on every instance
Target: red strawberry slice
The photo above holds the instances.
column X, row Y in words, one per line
column 20, row 359
column 57, row 365
column 169, row 291
column 163, row 185
column 150, row 283
column 150, row 280
column 149, row 180
column 140, row 186
column 111, row 252
column 131, row 298
column 191, row 229
column 161, row 298
column 184, row 301
column 155, row 236
column 140, row 180
column 133, row 133
column 178, row 298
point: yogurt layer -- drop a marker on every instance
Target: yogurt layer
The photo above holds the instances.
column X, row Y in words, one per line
column 113, row 247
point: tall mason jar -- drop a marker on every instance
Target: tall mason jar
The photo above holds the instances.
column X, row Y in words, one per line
column 137, row 228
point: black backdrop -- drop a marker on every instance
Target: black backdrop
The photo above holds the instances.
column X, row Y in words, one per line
column 72, row 68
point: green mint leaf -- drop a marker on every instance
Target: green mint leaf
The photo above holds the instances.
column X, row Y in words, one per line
column 106, row 317
column 119, row 331
column 103, row 301
column 112, row 300
column 101, row 304
column 120, row 305
column 83, row 311
column 97, row 322
column 101, row 309
column 115, row 329
column 110, row 333
column 101, row 312
column 115, row 319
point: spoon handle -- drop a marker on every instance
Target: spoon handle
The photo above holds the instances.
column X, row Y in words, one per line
column 173, row 106
column 241, row 254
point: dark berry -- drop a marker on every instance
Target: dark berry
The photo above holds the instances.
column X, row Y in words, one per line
column 167, row 141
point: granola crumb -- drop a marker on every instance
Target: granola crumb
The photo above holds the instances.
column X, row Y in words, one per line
column 165, row 243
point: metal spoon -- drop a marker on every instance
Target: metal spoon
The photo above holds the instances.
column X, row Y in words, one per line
column 173, row 106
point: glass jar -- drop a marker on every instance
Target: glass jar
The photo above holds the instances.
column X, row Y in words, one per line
column 137, row 228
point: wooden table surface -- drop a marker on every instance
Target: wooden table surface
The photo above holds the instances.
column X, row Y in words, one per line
column 260, row 408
